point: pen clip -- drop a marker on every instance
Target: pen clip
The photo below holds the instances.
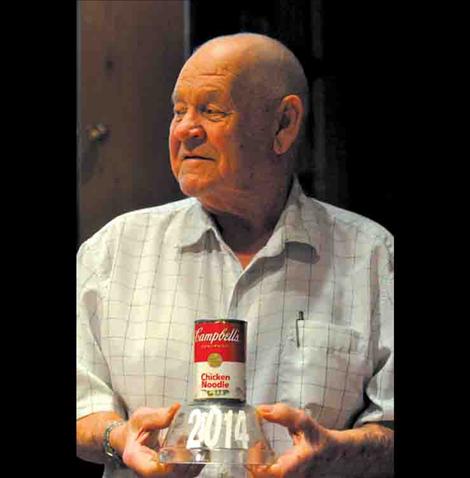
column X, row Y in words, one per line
column 300, row 317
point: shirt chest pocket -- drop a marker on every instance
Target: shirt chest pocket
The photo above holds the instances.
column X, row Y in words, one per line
column 323, row 365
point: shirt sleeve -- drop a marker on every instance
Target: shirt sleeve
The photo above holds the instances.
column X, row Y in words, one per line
column 379, row 389
column 94, row 389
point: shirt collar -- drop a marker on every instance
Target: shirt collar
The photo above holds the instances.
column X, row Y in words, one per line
column 291, row 226
column 196, row 224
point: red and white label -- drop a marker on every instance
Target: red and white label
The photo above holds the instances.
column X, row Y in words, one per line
column 219, row 356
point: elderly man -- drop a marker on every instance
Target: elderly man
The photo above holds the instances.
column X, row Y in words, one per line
column 247, row 244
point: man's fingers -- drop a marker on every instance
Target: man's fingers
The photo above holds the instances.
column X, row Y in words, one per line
column 263, row 471
column 182, row 455
column 291, row 464
column 140, row 453
column 309, row 439
column 186, row 471
column 294, row 461
column 145, row 461
column 257, row 453
column 293, row 418
column 153, row 419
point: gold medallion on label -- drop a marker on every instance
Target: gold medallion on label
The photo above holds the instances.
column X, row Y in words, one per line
column 214, row 359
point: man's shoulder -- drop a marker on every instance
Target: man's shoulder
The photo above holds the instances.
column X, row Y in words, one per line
column 155, row 214
column 346, row 222
column 135, row 223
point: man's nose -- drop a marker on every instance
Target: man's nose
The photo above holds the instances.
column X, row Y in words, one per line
column 190, row 132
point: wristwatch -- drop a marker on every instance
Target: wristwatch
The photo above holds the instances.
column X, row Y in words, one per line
column 109, row 451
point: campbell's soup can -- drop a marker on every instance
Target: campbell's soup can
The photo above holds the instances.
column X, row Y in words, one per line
column 219, row 359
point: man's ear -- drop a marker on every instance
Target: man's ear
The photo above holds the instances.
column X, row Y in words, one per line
column 289, row 119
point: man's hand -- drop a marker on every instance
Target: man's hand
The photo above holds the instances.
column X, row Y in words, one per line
column 312, row 443
column 317, row 451
column 139, row 441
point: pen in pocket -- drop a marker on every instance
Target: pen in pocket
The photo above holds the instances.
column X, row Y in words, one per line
column 300, row 317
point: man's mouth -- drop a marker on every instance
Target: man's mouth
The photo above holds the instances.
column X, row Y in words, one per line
column 191, row 156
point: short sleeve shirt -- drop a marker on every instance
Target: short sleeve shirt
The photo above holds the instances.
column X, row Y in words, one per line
column 147, row 276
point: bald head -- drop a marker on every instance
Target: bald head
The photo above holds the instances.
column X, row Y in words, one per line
column 266, row 68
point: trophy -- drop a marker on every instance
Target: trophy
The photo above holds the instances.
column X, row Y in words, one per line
column 218, row 429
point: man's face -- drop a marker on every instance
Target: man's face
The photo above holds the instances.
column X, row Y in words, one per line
column 220, row 136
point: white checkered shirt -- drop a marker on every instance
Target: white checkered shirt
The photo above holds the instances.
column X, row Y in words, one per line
column 148, row 275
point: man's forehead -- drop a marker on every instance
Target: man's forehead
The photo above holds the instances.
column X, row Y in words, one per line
column 210, row 80
column 210, row 93
column 207, row 69
column 216, row 71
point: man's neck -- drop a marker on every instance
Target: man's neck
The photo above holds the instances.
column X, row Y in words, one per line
column 248, row 228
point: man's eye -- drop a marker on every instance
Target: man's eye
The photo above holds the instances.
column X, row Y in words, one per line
column 213, row 112
column 178, row 112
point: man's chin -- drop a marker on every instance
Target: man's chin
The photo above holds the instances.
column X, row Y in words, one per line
column 192, row 186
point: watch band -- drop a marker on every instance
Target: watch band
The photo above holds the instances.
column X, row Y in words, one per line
column 108, row 449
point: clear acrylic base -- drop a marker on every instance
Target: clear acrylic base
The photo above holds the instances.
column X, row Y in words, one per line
column 217, row 432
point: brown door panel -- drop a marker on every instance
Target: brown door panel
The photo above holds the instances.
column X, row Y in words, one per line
column 130, row 55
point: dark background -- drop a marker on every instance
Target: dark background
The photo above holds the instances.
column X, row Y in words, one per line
column 346, row 52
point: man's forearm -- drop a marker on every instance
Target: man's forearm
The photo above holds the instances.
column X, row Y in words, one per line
column 90, row 432
column 365, row 452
